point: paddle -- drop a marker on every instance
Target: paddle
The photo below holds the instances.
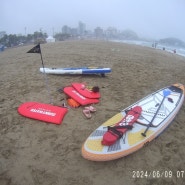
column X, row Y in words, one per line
column 165, row 94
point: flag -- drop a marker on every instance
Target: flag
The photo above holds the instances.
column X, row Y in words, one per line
column 35, row 49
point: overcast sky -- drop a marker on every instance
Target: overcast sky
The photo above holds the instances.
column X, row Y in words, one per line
column 148, row 18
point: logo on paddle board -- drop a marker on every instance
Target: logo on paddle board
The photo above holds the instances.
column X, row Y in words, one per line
column 160, row 114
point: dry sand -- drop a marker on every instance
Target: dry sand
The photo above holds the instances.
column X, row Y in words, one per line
column 34, row 152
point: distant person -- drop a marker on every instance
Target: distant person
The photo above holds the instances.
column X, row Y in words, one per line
column 1, row 47
column 156, row 44
column 174, row 51
column 164, row 48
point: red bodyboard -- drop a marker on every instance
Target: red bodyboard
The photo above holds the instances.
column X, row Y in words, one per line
column 43, row 112
column 82, row 100
column 130, row 118
column 84, row 91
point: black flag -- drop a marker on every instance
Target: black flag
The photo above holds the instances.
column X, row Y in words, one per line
column 35, row 49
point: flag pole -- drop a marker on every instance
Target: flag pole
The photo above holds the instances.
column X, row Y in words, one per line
column 42, row 60
column 37, row 49
column 46, row 79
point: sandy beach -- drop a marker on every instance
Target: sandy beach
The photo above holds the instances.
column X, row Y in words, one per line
column 37, row 153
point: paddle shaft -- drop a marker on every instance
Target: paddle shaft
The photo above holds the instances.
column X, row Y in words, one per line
column 151, row 122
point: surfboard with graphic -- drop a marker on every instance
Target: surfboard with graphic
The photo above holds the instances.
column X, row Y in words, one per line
column 158, row 111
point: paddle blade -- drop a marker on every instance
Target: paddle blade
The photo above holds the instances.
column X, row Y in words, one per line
column 166, row 93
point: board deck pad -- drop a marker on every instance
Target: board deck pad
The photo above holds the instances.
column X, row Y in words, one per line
column 43, row 112
column 158, row 111
column 85, row 91
column 71, row 92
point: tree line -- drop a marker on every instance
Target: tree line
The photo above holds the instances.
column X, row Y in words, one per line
column 37, row 37
column 15, row 40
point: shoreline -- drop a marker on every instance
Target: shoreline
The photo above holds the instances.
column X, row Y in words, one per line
column 148, row 44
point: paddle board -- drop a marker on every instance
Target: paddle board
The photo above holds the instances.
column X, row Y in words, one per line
column 43, row 112
column 73, row 70
column 158, row 111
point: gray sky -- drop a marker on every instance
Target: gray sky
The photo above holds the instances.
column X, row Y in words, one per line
column 148, row 18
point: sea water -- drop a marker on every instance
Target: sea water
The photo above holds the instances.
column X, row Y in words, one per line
column 171, row 49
